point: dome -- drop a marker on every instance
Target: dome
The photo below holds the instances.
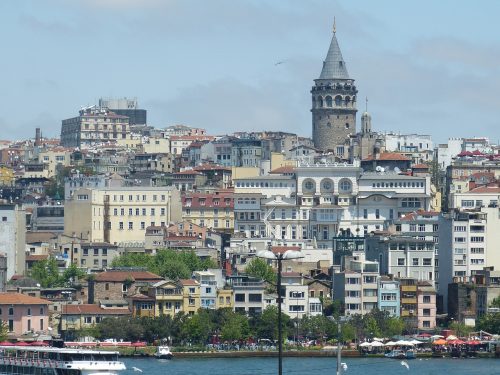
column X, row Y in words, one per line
column 366, row 115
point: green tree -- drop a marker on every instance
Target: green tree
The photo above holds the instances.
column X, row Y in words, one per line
column 198, row 327
column 490, row 323
column 46, row 272
column 371, row 328
column 234, row 326
column 259, row 268
column 460, row 329
column 393, row 327
column 266, row 326
column 4, row 331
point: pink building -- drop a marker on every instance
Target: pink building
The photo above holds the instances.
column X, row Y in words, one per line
column 22, row 313
column 426, row 304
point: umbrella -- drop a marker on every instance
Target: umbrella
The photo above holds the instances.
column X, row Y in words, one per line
column 365, row 344
column 439, row 342
column 416, row 342
column 456, row 342
column 377, row 339
column 22, row 343
column 390, row 343
column 6, row 343
column 377, row 343
column 434, row 337
column 473, row 342
column 451, row 338
column 404, row 343
column 39, row 343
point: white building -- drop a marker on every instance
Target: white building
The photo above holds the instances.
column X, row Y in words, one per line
column 419, row 148
column 13, row 238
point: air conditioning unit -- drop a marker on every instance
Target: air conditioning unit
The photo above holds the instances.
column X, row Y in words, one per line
column 412, row 311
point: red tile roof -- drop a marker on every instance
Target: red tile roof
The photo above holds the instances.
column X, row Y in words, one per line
column 121, row 276
column 34, row 258
column 420, row 166
column 89, row 309
column 21, row 299
column 485, row 190
column 388, row 156
column 186, row 282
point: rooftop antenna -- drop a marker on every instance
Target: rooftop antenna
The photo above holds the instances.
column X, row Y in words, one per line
column 334, row 25
column 366, row 104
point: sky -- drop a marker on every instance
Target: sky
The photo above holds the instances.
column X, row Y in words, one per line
column 426, row 67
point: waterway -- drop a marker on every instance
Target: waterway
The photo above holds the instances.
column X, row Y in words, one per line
column 311, row 366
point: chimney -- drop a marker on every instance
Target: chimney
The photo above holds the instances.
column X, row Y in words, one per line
column 37, row 137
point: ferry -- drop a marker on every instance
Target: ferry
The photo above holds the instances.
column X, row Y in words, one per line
column 38, row 360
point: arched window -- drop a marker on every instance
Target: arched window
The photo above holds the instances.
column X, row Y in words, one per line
column 309, row 186
column 338, row 100
column 320, row 102
column 345, row 185
column 326, row 185
column 347, row 101
column 328, row 100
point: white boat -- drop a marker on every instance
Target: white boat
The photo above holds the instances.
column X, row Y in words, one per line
column 38, row 360
column 163, row 352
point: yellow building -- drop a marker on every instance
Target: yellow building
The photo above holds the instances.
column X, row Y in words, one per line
column 224, row 299
column 6, row 176
column 169, row 297
column 53, row 158
column 120, row 215
column 191, row 296
column 212, row 210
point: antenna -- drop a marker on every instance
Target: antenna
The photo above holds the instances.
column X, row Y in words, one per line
column 366, row 104
column 334, row 25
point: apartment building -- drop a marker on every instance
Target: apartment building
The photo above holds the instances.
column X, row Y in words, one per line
column 54, row 158
column 22, row 314
column 426, row 305
column 94, row 125
column 388, row 297
column 248, row 294
column 402, row 256
column 13, row 237
column 356, row 286
column 120, row 215
column 212, row 210
column 295, row 295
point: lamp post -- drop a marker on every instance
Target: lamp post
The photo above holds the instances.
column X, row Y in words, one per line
column 339, row 321
column 279, row 257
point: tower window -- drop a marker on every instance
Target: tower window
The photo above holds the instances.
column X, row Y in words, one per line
column 328, row 100
column 329, row 125
column 347, row 125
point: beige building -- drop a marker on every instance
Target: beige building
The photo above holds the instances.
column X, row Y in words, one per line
column 53, row 158
column 120, row 215
column 94, row 125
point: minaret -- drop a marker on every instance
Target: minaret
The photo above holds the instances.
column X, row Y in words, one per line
column 333, row 101
column 366, row 121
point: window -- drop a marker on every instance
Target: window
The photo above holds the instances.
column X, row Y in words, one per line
column 29, row 313
column 427, row 324
column 345, row 186
column 130, row 225
column 87, row 319
column 377, row 214
column 106, row 286
column 410, row 203
column 152, row 212
column 427, row 262
column 415, row 261
column 120, row 225
column 11, row 325
column 365, row 213
column 421, row 227
column 427, row 299
column 426, row 312
column 11, row 311
column 239, row 297
column 401, row 261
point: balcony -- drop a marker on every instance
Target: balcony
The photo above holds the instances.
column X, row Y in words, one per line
column 409, row 301
column 409, row 288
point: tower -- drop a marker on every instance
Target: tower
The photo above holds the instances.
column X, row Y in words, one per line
column 333, row 101
column 366, row 121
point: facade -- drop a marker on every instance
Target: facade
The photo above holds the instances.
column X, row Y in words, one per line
column 213, row 210
column 296, row 295
column 13, row 237
column 419, row 148
column 246, row 153
column 22, row 313
column 120, row 215
column 389, row 296
column 94, row 125
column 403, row 256
column 356, row 287
column 426, row 301
column 334, row 97
column 248, row 294
column 168, row 296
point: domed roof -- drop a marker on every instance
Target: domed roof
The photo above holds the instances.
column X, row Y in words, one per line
column 366, row 114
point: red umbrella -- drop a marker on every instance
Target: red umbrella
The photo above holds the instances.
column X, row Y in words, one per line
column 21, row 343
column 39, row 343
column 6, row 343
column 456, row 342
column 473, row 342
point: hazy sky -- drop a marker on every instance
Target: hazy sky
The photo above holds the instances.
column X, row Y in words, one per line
column 426, row 66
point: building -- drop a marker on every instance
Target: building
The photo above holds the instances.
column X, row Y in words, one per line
column 212, row 210
column 418, row 147
column 168, row 296
column 24, row 314
column 388, row 298
column 13, row 237
column 248, row 294
column 488, row 289
column 402, row 256
column 426, row 304
column 295, row 295
column 356, row 286
column 119, row 284
column 125, row 107
column 334, row 97
column 94, row 125
column 191, row 296
column 120, row 215
column 246, row 152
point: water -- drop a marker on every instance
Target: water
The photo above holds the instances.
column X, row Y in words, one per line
column 312, row 366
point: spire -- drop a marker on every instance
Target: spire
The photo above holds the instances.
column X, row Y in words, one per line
column 334, row 65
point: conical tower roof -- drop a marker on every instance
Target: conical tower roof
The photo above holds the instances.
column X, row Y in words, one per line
column 334, row 65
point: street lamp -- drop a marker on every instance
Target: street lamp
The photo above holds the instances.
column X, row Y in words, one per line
column 339, row 321
column 279, row 257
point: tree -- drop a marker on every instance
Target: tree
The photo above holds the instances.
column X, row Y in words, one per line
column 266, row 325
column 259, row 268
column 4, row 331
column 198, row 327
column 460, row 329
column 46, row 272
column 490, row 323
column 234, row 326
column 394, row 327
column 371, row 327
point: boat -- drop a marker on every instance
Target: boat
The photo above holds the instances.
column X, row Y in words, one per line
column 400, row 354
column 163, row 352
column 54, row 361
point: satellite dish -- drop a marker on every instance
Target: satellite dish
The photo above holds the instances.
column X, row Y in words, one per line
column 379, row 168
column 397, row 170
